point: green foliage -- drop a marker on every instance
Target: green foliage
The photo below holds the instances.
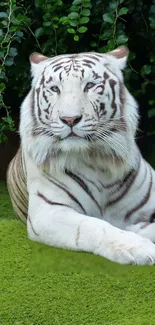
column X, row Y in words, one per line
column 54, row 26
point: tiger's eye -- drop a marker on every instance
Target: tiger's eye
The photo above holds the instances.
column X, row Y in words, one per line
column 88, row 86
column 55, row 89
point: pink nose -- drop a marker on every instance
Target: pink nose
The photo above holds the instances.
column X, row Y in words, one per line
column 71, row 121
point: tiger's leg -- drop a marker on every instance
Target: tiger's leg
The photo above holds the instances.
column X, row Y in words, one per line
column 58, row 225
column 144, row 229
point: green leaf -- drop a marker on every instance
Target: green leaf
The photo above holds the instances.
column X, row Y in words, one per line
column 73, row 15
column 2, row 86
column 47, row 23
column 3, row 15
column 121, row 39
column 77, row 2
column 73, row 23
column 82, row 29
column 39, row 3
column 109, row 18
column 85, row 12
column 93, row 44
column 1, row 32
column 151, row 112
column 86, row 5
column 7, row 119
column 63, row 20
column 13, row 51
column 71, row 30
column 84, row 20
column 20, row 34
column 146, row 69
column 38, row 32
column 76, row 38
column 4, row 22
column 113, row 5
column 123, row 11
column 152, row 10
column 9, row 62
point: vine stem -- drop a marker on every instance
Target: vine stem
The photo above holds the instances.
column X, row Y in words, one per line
column 9, row 21
column 7, row 33
column 35, row 38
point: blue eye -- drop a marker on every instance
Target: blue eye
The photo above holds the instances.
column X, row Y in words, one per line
column 55, row 89
column 89, row 85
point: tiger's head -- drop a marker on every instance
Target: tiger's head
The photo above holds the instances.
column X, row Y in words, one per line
column 78, row 103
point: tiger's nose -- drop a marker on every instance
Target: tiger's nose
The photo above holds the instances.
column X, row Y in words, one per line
column 71, row 121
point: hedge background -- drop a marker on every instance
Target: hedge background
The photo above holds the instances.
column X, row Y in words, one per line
column 53, row 27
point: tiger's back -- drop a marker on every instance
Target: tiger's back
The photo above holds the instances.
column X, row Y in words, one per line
column 17, row 185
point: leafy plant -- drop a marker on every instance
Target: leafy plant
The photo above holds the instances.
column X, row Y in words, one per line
column 60, row 26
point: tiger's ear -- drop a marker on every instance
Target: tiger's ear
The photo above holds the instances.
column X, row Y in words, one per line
column 121, row 54
column 37, row 61
column 36, row 58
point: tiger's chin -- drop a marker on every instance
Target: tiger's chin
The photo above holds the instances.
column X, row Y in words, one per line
column 73, row 143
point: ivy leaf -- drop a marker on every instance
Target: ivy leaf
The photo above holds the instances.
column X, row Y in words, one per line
column 123, row 11
column 84, row 20
column 109, row 18
column 73, row 15
column 151, row 112
column 73, row 23
column 77, row 2
column 13, row 51
column 146, row 69
column 2, row 86
column 121, row 39
column 82, row 29
column 3, row 15
column 38, row 32
column 93, row 44
column 9, row 62
column 86, row 5
column 152, row 10
column 20, row 34
column 85, row 12
column 76, row 38
column 39, row 3
column 63, row 20
column 113, row 5
column 71, row 31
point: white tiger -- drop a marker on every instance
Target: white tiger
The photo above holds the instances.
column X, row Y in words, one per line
column 79, row 175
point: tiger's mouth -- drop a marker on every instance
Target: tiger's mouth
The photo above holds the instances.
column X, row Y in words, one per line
column 73, row 135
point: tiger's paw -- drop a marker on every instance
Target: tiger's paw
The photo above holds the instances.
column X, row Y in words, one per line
column 129, row 248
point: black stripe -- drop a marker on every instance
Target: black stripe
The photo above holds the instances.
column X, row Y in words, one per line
column 51, row 202
column 29, row 219
column 127, row 183
column 143, row 202
column 94, row 184
column 152, row 217
column 65, row 190
column 84, row 187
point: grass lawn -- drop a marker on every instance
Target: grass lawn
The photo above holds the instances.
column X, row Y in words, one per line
column 40, row 285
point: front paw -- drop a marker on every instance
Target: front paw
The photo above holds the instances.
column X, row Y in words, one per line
column 128, row 248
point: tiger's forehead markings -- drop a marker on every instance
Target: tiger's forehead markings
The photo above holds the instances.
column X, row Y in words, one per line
column 106, row 76
column 49, row 80
column 113, row 104
column 96, row 75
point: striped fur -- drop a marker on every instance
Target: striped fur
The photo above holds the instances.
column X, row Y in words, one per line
column 78, row 179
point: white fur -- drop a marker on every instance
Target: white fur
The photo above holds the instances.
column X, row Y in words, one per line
column 106, row 233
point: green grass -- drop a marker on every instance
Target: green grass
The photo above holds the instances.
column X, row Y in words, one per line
column 40, row 285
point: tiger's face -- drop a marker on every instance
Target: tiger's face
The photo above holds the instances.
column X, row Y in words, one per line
column 78, row 101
